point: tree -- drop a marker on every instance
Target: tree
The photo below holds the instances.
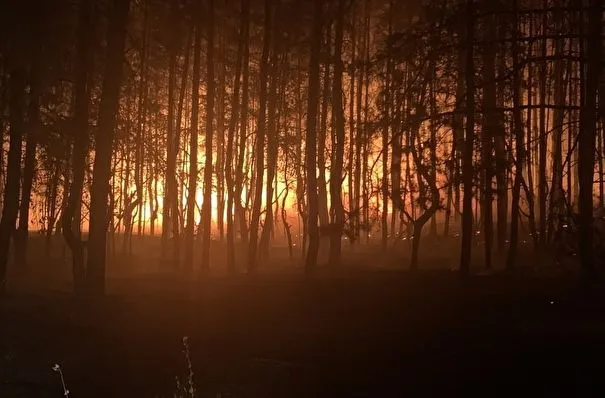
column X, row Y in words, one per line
column 116, row 37
column 231, row 142
column 21, row 236
column 260, row 141
column 587, row 138
column 13, row 172
column 488, row 130
column 193, row 145
column 519, row 145
column 336, row 170
column 467, row 161
column 80, row 137
column 210, row 91
column 311, row 140
column 169, row 177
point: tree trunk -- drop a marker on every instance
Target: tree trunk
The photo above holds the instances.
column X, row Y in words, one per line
column 338, row 144
column 175, row 200
column 467, row 163
column 587, row 136
column 141, row 125
column 240, row 169
column 260, row 141
column 502, row 158
column 170, row 147
column 311, row 139
column 230, row 143
column 210, row 91
column 543, row 141
column 556, row 189
column 71, row 230
column 487, row 132
column 352, row 140
column 21, row 234
column 10, row 206
column 220, row 141
column 108, row 110
column 272, row 149
column 386, row 122
column 193, row 145
column 519, row 146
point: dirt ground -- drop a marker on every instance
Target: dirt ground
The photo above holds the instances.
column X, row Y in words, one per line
column 359, row 331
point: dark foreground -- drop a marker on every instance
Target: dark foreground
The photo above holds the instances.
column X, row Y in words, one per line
column 361, row 333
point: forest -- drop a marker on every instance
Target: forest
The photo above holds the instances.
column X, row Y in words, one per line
column 193, row 153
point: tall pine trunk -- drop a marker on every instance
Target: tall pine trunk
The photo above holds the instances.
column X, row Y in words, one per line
column 208, row 152
column 338, row 145
column 519, row 145
column 260, row 142
column 80, row 133
column 229, row 169
column 588, row 132
column 467, row 162
column 311, row 140
column 243, row 134
column 543, row 140
column 487, row 132
column 108, row 110
column 170, row 147
column 29, row 169
column 10, row 206
column 193, row 145
column 272, row 148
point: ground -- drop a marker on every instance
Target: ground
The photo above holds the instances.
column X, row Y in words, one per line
column 360, row 331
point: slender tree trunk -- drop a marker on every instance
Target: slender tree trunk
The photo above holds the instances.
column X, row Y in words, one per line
column 556, row 189
column 175, row 200
column 587, row 136
column 141, row 125
column 311, row 139
column 193, row 145
column 519, row 146
column 529, row 185
column 435, row 200
column 356, row 215
column 467, row 163
column 322, row 190
column 21, row 235
column 272, row 149
column 210, row 92
column 543, row 141
column 301, row 204
column 243, row 135
column 71, row 229
column 338, row 145
column 230, row 143
column 502, row 157
column 170, row 147
column 10, row 206
column 351, row 149
column 487, row 132
column 385, row 139
column 4, row 94
column 260, row 141
column 220, row 141
column 108, row 110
